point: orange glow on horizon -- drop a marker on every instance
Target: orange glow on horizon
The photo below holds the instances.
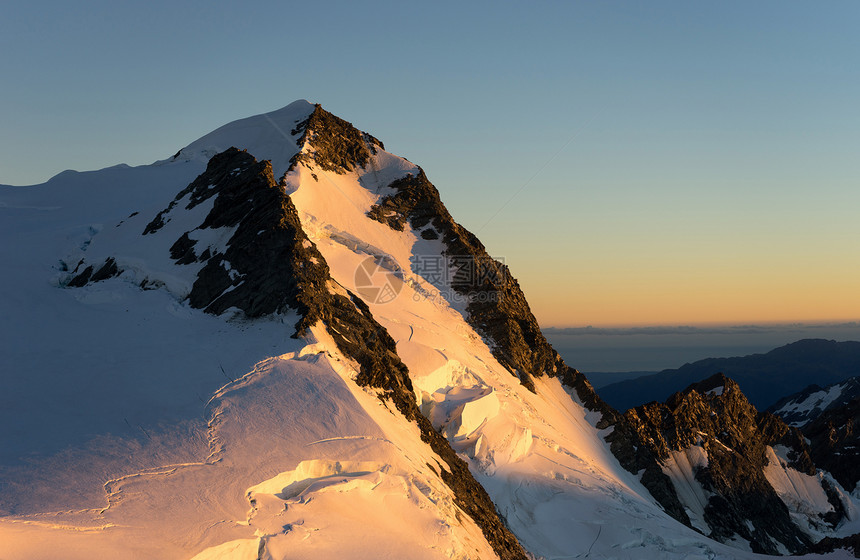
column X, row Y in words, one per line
column 694, row 297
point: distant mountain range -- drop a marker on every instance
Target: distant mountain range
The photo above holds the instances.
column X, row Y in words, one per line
column 278, row 343
column 764, row 378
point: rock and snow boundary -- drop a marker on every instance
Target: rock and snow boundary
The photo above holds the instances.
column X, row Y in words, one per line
column 207, row 431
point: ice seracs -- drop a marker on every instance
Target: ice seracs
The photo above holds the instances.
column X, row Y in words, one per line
column 262, row 403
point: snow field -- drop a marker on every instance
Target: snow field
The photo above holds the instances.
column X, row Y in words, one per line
column 214, row 438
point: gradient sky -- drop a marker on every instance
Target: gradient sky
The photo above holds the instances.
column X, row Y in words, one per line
column 634, row 163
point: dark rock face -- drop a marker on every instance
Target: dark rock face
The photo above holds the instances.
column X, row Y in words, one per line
column 269, row 251
column 81, row 280
column 498, row 311
column 829, row 544
column 835, row 443
column 107, row 270
column 336, row 144
column 359, row 336
column 270, row 266
column 497, row 307
column 802, row 408
column 715, row 415
column 830, row 418
column 268, row 255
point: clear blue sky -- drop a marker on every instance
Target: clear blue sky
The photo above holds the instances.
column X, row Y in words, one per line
column 634, row 163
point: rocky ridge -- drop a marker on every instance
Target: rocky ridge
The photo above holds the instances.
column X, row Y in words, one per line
column 332, row 143
column 271, row 267
column 805, row 406
column 829, row 544
column 834, row 438
column 293, row 275
column 715, row 416
column 829, row 417
column 498, row 310
column 497, row 307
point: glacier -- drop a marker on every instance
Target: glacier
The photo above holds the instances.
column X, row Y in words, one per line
column 136, row 426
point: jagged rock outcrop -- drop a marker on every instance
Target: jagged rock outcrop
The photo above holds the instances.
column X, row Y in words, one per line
column 497, row 307
column 335, row 145
column 269, row 266
column 829, row 544
column 268, row 256
column 805, row 406
column 830, row 418
column 108, row 269
column 835, row 442
column 265, row 264
column 627, row 444
column 498, row 310
column 715, row 416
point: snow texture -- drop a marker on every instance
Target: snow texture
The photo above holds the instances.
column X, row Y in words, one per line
column 138, row 427
column 803, row 410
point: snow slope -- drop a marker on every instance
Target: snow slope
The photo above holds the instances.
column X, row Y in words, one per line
column 802, row 408
column 539, row 455
column 137, row 427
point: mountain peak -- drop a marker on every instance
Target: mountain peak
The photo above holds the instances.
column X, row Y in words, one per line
column 718, row 384
column 332, row 143
column 377, row 360
column 268, row 136
column 715, row 445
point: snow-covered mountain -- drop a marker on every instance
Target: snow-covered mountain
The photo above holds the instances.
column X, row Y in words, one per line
column 278, row 343
column 829, row 418
column 741, row 474
column 803, row 407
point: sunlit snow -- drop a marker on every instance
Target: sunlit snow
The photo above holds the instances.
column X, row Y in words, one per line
column 136, row 427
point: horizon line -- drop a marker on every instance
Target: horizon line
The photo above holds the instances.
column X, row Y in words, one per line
column 700, row 328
